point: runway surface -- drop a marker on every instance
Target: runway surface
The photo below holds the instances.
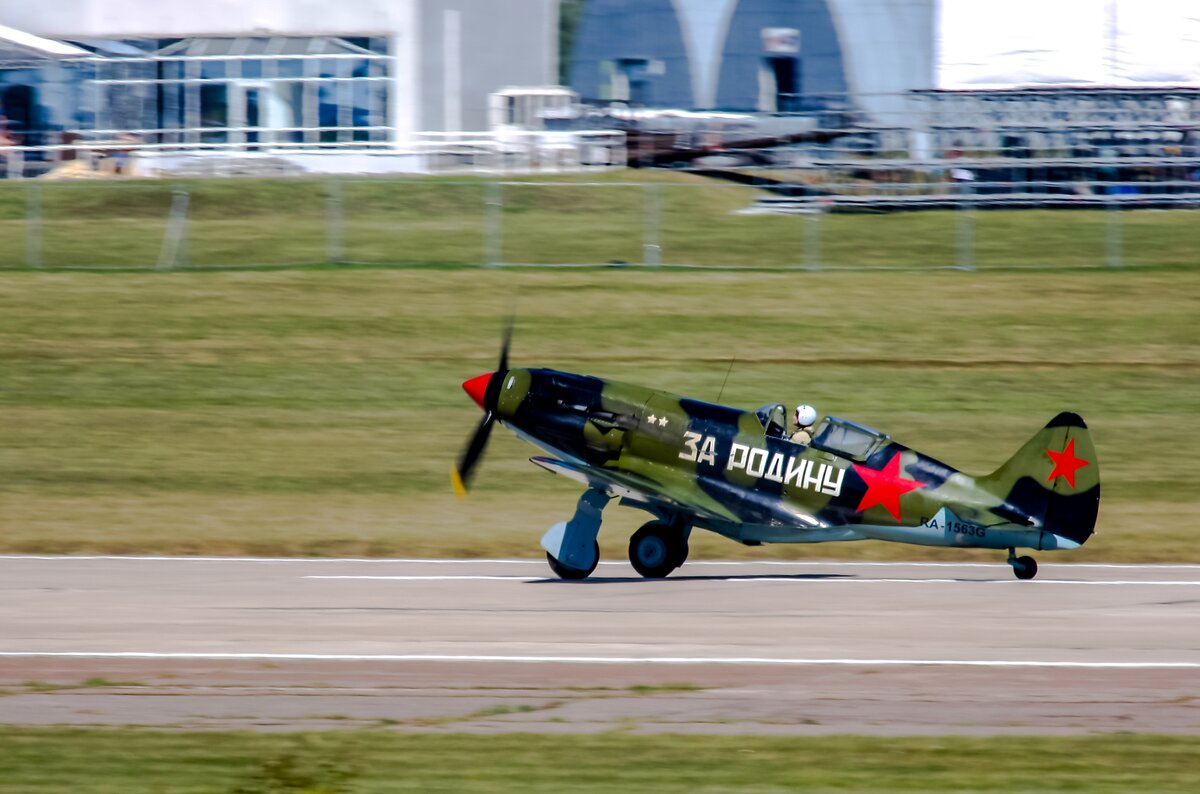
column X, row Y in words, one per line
column 763, row 647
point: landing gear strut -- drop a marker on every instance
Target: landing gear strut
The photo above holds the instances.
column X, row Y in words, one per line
column 657, row 549
column 1023, row 567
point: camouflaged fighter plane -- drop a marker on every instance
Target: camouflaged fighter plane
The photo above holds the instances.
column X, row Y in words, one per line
column 695, row 464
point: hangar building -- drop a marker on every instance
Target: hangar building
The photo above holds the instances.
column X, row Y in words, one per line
column 755, row 55
column 903, row 63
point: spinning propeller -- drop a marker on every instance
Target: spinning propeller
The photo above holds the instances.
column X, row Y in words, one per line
column 484, row 390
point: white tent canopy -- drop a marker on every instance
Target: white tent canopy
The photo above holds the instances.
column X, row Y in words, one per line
column 986, row 44
column 17, row 45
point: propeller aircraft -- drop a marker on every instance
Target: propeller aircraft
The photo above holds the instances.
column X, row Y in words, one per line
column 698, row 465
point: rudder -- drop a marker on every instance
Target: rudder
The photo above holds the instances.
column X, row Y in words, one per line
column 1053, row 480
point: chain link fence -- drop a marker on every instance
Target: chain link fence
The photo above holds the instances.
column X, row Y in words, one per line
column 477, row 222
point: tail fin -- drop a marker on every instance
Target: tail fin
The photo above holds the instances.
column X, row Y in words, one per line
column 1053, row 481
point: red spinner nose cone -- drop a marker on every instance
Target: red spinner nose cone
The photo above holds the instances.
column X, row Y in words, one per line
column 477, row 387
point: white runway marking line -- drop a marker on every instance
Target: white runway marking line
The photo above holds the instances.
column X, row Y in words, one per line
column 436, row 578
column 542, row 562
column 1037, row 582
column 270, row 560
column 666, row 660
column 766, row 580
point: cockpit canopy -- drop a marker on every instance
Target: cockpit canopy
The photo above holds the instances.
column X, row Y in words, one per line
column 848, row 439
column 774, row 419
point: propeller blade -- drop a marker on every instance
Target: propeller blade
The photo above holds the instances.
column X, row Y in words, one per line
column 506, row 340
column 460, row 475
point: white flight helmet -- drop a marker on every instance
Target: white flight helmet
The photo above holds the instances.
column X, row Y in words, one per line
column 805, row 415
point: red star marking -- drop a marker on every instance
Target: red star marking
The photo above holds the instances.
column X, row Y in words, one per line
column 885, row 486
column 1065, row 463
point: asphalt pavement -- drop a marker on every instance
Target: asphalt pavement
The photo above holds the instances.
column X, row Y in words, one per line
column 478, row 645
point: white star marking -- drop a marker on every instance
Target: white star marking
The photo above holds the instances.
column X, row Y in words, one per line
column 662, row 421
column 653, row 418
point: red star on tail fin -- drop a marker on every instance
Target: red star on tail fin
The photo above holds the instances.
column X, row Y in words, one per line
column 1065, row 463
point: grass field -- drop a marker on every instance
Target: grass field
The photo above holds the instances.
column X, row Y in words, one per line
column 317, row 411
column 591, row 219
column 123, row 760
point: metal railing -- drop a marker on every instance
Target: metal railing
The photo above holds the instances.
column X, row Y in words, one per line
column 493, row 223
column 473, row 152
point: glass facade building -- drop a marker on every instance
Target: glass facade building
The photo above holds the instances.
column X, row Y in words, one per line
column 279, row 89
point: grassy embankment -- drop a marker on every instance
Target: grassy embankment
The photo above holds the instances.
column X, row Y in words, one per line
column 317, row 411
column 122, row 760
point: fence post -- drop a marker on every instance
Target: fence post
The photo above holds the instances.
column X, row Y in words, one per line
column 334, row 226
column 651, row 209
column 1112, row 238
column 15, row 161
column 964, row 249
column 33, row 223
column 174, row 251
column 812, row 236
column 493, row 234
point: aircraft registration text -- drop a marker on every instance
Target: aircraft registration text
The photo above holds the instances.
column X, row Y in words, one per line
column 955, row 525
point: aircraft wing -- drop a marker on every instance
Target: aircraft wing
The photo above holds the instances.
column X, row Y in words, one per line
column 628, row 486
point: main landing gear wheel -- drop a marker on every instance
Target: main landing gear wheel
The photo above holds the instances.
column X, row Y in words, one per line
column 657, row 549
column 1023, row 567
column 1026, row 568
column 567, row 572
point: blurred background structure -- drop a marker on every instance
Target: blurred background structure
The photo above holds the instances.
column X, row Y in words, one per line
column 820, row 105
column 273, row 85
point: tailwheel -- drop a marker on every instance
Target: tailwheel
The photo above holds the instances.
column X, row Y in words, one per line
column 567, row 572
column 657, row 549
column 1023, row 567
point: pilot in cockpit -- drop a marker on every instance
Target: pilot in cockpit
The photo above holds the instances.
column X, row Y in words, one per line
column 806, row 417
